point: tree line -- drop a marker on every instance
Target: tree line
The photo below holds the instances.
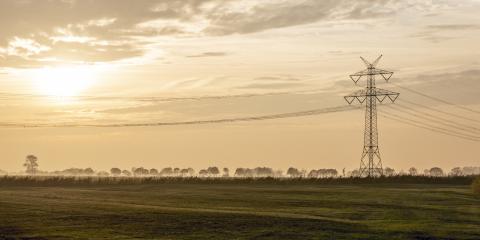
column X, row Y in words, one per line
column 31, row 168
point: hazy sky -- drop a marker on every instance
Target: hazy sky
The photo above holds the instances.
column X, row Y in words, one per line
column 102, row 61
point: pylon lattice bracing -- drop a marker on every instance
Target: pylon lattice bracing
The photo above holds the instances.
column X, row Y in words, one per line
column 371, row 162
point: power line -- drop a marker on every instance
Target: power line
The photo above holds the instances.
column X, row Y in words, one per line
column 429, row 126
column 7, row 96
column 197, row 122
column 430, row 117
column 440, row 111
column 437, row 99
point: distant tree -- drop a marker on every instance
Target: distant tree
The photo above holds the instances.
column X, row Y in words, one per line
column 88, row 171
column 102, row 174
column 426, row 172
column 115, row 171
column 331, row 172
column 263, row 172
column 153, row 172
column 213, row 171
column 313, row 174
column 140, row 171
column 3, row 172
column 471, row 170
column 184, row 172
column 457, row 171
column 226, row 172
column 293, row 172
column 203, row 173
column 355, row 173
column 412, row 171
column 31, row 164
column 166, row 172
column 436, row 172
column 176, row 171
column 126, row 173
column 239, row 172
column 476, row 186
column 389, row 172
column 71, row 172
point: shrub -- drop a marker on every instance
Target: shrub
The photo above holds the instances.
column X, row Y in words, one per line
column 476, row 186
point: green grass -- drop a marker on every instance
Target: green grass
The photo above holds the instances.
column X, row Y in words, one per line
column 175, row 210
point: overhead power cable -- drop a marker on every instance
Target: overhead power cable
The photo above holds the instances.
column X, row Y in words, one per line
column 433, row 118
column 427, row 126
column 440, row 111
column 198, row 122
column 438, row 99
column 7, row 96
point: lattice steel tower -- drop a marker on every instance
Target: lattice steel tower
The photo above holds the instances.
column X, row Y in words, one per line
column 371, row 162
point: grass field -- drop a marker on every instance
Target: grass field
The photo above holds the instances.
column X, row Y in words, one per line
column 240, row 211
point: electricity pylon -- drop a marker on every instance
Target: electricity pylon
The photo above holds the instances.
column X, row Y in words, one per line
column 371, row 162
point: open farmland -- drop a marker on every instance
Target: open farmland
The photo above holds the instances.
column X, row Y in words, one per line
column 239, row 210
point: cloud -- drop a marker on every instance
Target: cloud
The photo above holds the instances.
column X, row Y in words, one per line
column 461, row 87
column 433, row 33
column 271, row 86
column 208, row 54
column 454, row 27
column 113, row 30
column 278, row 14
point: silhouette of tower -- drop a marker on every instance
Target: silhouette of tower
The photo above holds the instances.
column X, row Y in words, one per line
column 371, row 162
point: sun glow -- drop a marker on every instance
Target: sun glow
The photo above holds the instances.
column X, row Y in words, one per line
column 65, row 81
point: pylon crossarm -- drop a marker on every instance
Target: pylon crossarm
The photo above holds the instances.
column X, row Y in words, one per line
column 359, row 95
column 356, row 76
column 386, row 93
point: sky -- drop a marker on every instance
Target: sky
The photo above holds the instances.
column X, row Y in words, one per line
column 114, row 62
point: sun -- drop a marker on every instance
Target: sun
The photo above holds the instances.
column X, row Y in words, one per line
column 63, row 81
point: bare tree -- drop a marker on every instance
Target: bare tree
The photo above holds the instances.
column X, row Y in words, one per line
column 412, row 171
column 436, row 172
column 456, row 172
column 31, row 163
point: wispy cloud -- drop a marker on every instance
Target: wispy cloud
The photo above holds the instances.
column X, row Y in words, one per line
column 42, row 32
column 208, row 54
column 441, row 32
